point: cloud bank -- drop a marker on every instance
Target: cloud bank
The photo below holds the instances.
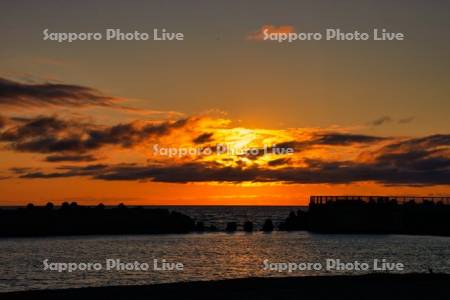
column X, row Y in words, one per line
column 17, row 94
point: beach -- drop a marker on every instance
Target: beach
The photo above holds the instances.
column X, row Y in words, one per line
column 372, row 286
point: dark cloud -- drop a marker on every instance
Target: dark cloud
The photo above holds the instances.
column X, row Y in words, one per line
column 73, row 158
column 18, row 94
column 320, row 172
column 51, row 134
column 21, row 170
column 131, row 134
column 67, row 171
column 410, row 166
column 424, row 143
column 203, row 138
column 279, row 162
column 37, row 127
column 317, row 140
column 406, row 120
column 330, row 139
column 298, row 146
column 386, row 119
column 429, row 153
column 190, row 172
column 42, row 175
column 381, row 120
column 344, row 139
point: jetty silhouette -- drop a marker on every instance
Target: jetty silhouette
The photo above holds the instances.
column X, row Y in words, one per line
column 373, row 214
column 73, row 219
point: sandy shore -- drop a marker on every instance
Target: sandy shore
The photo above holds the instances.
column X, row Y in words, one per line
column 374, row 286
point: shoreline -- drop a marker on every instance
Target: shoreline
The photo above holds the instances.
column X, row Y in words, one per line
column 369, row 286
column 223, row 232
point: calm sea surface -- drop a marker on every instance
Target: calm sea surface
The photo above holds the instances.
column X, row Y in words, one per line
column 220, row 215
column 208, row 256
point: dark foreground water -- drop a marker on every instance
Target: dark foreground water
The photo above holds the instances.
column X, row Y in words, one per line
column 205, row 256
column 208, row 256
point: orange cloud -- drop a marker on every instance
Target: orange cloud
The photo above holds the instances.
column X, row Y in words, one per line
column 259, row 34
column 203, row 148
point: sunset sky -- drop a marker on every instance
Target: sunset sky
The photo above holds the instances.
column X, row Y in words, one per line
column 79, row 121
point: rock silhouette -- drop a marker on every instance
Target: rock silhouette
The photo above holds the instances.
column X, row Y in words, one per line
column 231, row 227
column 248, row 226
column 268, row 226
column 73, row 219
column 295, row 221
